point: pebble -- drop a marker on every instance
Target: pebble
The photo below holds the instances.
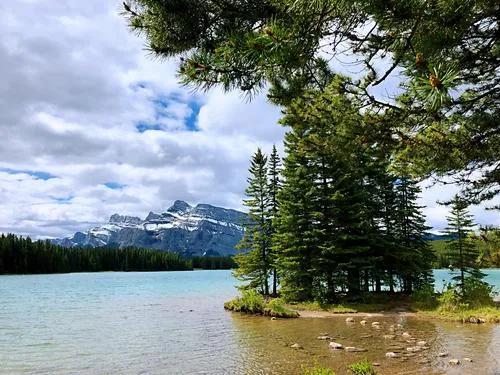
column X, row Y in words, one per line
column 363, row 322
column 413, row 349
column 422, row 343
column 443, row 354
column 466, row 359
column 366, row 336
column 376, row 364
column 324, row 338
column 406, row 334
column 374, row 324
column 454, row 362
column 391, row 355
column 296, row 346
column 349, row 320
column 389, row 337
column 274, row 318
column 335, row 345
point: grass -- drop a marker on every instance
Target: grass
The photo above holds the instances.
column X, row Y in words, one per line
column 369, row 304
column 362, row 368
column 487, row 314
column 317, row 370
column 252, row 302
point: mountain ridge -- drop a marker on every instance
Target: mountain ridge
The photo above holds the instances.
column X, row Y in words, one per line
column 203, row 229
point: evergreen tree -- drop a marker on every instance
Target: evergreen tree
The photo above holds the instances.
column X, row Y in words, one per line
column 274, row 188
column 463, row 253
column 414, row 256
column 255, row 264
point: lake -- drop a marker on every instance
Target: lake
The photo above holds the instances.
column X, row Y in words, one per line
column 174, row 323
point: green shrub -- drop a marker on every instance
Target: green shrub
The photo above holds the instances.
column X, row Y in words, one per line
column 317, row 370
column 424, row 297
column 477, row 293
column 362, row 368
column 249, row 302
column 275, row 307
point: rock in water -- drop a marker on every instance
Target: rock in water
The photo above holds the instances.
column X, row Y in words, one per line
column 349, row 320
column 391, row 355
column 324, row 338
column 467, row 359
column 296, row 346
column 335, row 345
column 443, row 354
column 454, row 362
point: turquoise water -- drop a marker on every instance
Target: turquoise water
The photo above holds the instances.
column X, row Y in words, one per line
column 443, row 277
column 174, row 323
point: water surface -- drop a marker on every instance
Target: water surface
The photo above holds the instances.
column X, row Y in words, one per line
column 174, row 323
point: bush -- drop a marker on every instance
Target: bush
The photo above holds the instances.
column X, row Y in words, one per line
column 275, row 307
column 317, row 370
column 254, row 303
column 425, row 296
column 477, row 293
column 249, row 302
column 362, row 368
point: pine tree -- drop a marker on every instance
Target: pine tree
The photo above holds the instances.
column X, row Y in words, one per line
column 274, row 188
column 463, row 253
column 414, row 256
column 255, row 262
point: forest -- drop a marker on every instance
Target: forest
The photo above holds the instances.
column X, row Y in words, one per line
column 20, row 255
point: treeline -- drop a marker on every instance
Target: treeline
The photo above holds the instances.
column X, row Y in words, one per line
column 487, row 245
column 19, row 255
column 343, row 222
column 213, row 263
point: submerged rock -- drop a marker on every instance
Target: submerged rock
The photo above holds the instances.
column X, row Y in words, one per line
column 349, row 320
column 375, row 324
column 413, row 349
column 354, row 349
column 391, row 355
column 363, row 322
column 406, row 335
column 324, row 338
column 389, row 337
column 454, row 362
column 296, row 346
column 335, row 345
column 443, row 354
column 422, row 343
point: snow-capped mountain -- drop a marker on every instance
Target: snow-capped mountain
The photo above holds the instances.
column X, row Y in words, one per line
column 198, row 230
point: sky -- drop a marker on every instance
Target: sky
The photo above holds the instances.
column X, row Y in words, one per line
column 91, row 125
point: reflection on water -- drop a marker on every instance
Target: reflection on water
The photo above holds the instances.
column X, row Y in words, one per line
column 173, row 323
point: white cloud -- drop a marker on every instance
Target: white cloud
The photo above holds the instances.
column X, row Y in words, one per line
column 76, row 85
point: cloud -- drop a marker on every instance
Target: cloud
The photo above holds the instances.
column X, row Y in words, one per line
column 92, row 125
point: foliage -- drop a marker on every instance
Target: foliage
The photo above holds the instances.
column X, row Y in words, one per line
column 345, row 222
column 249, row 302
column 255, row 261
column 23, row 256
column 275, row 307
column 254, row 303
column 318, row 370
column 213, row 263
column 362, row 368
column 445, row 111
column 425, row 296
column 463, row 254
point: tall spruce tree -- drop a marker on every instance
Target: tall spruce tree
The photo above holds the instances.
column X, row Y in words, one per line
column 462, row 252
column 274, row 188
column 255, row 262
column 414, row 256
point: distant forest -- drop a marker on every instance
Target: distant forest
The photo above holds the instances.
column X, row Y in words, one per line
column 19, row 255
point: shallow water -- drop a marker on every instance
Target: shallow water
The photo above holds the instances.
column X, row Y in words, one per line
column 173, row 323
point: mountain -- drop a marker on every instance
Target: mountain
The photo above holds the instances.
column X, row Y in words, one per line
column 198, row 230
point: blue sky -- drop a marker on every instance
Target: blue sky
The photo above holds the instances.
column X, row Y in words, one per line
column 92, row 125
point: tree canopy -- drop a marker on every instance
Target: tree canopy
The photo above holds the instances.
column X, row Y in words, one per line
column 438, row 60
